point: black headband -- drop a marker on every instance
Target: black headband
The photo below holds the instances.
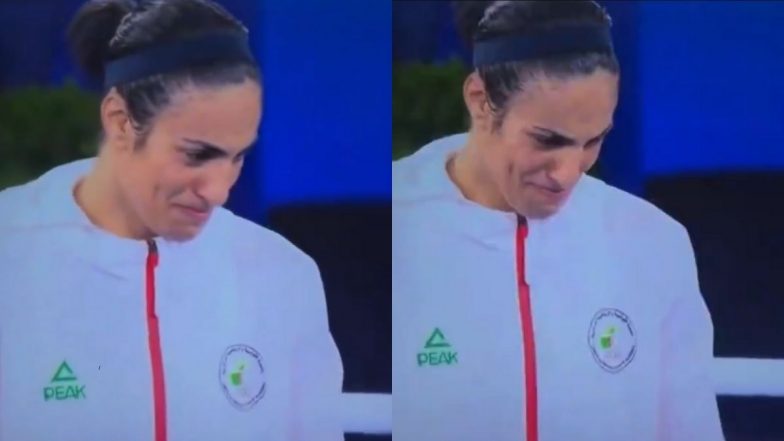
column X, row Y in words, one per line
column 172, row 56
column 555, row 41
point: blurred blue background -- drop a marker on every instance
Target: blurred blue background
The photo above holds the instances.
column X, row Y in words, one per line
column 697, row 132
column 320, row 173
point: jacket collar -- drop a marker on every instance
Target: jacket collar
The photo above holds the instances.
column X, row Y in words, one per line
column 491, row 227
column 57, row 208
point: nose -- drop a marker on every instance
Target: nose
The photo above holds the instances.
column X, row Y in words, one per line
column 565, row 167
column 216, row 182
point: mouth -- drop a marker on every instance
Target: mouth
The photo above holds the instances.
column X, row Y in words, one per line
column 554, row 194
column 198, row 215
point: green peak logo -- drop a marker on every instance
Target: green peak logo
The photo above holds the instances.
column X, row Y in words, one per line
column 436, row 340
column 64, row 373
column 437, row 351
column 63, row 385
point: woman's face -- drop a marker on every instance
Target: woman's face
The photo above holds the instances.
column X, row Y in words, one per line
column 190, row 159
column 551, row 134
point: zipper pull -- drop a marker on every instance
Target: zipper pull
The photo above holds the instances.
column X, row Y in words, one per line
column 152, row 256
column 522, row 226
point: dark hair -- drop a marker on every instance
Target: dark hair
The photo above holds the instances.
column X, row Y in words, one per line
column 483, row 20
column 104, row 30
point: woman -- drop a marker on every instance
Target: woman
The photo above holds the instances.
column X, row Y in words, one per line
column 532, row 301
column 133, row 306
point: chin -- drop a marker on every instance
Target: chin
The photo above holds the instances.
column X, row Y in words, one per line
column 539, row 212
column 181, row 234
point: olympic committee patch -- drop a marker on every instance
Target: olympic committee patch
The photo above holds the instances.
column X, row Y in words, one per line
column 242, row 376
column 612, row 339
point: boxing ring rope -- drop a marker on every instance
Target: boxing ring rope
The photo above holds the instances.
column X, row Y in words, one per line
column 372, row 413
column 749, row 377
column 367, row 413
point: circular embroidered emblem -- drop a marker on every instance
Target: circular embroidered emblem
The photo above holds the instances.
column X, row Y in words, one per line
column 242, row 376
column 612, row 339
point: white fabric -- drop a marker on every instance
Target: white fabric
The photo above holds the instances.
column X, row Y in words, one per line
column 454, row 268
column 72, row 293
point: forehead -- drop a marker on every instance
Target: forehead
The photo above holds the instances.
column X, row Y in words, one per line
column 226, row 116
column 581, row 106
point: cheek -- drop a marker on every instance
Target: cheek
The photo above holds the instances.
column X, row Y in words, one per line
column 140, row 183
column 172, row 182
column 504, row 163
column 526, row 160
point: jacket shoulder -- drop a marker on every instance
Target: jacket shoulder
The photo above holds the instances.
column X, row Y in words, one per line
column 259, row 245
column 20, row 205
column 624, row 211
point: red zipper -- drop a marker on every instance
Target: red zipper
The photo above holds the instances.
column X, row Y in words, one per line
column 529, row 347
column 154, row 340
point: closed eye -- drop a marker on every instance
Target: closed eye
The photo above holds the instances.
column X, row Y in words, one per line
column 201, row 155
column 551, row 142
column 198, row 153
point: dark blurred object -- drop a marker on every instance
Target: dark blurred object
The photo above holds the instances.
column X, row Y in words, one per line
column 427, row 103
column 422, row 30
column 32, row 45
column 351, row 244
column 355, row 437
column 41, row 127
column 736, row 223
column 752, row 418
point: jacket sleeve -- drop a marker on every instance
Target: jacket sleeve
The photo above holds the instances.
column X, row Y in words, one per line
column 317, row 371
column 688, row 409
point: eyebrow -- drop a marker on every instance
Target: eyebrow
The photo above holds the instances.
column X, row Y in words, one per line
column 563, row 140
column 216, row 150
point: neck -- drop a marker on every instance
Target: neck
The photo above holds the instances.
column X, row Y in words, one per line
column 468, row 172
column 98, row 195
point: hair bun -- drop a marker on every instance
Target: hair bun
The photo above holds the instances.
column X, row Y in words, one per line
column 468, row 14
column 91, row 31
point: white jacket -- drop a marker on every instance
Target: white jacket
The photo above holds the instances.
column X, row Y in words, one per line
column 586, row 326
column 225, row 338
